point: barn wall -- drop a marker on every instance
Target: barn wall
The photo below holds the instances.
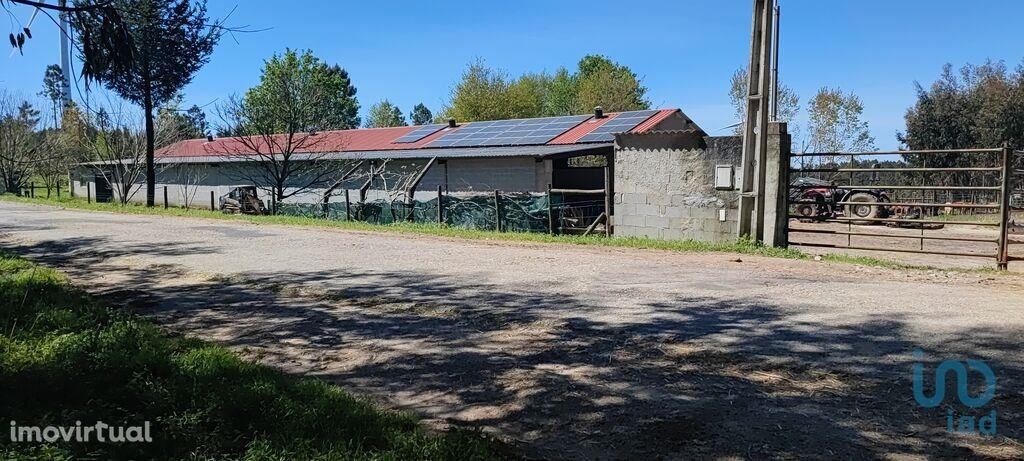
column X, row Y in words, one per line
column 664, row 187
column 469, row 175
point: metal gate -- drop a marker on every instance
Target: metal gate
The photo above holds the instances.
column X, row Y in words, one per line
column 940, row 202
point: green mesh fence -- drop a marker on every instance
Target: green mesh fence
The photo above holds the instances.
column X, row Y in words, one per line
column 519, row 212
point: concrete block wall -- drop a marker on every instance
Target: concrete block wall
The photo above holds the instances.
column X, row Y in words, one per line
column 664, row 186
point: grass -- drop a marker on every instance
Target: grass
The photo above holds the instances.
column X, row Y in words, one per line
column 739, row 246
column 65, row 357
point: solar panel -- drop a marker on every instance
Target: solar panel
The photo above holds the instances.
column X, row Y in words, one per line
column 509, row 132
column 622, row 123
column 420, row 133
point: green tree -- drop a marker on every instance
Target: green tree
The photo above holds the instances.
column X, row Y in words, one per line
column 344, row 110
column 65, row 147
column 420, row 115
column 384, row 114
column 187, row 124
column 170, row 41
column 297, row 97
column 53, row 90
column 789, row 102
column 981, row 107
column 20, row 144
column 835, row 125
column 197, row 124
column 481, row 94
column 484, row 93
column 603, row 82
column 562, row 94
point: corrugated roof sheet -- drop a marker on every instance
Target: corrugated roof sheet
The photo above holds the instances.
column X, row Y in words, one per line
column 461, row 152
column 366, row 140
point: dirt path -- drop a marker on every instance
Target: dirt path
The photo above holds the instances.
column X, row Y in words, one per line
column 569, row 352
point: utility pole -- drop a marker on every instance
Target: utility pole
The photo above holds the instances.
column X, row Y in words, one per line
column 775, row 64
column 65, row 53
column 755, row 127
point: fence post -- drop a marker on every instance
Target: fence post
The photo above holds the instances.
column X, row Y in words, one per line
column 32, row 190
column 440, row 205
column 348, row 210
column 551, row 213
column 607, row 201
column 165, row 197
column 497, row 210
column 58, row 191
column 88, row 193
column 1003, row 253
column 212, row 205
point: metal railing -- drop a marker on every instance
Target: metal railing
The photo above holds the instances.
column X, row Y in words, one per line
column 831, row 203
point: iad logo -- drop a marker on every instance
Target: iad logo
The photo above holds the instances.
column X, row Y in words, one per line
column 964, row 424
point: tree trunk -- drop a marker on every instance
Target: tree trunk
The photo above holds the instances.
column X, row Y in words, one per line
column 150, row 148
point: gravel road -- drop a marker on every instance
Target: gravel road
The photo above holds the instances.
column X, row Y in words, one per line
column 569, row 352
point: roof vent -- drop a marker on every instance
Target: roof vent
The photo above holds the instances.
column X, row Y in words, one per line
column 598, row 112
column 451, row 123
column 209, row 138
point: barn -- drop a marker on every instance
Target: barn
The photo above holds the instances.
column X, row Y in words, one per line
column 519, row 160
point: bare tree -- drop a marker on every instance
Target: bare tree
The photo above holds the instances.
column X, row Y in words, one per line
column 285, row 163
column 189, row 176
column 120, row 153
column 21, row 146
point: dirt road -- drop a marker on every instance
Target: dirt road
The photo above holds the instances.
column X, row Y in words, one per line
column 570, row 352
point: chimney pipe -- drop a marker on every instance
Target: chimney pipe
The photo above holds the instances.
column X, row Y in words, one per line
column 598, row 112
column 209, row 138
column 451, row 123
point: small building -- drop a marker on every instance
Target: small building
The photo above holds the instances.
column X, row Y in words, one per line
column 659, row 166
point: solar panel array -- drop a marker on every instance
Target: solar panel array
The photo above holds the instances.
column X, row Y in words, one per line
column 620, row 124
column 420, row 133
column 509, row 132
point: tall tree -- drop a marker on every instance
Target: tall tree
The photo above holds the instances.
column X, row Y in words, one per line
column 170, row 41
column 526, row 96
column 481, row 94
column 789, row 102
column 276, row 125
column 197, row 124
column 384, row 114
column 53, row 90
column 21, row 146
column 65, row 147
column 834, row 123
column 562, row 95
column 420, row 115
column 119, row 148
column 977, row 107
column 484, row 93
column 344, row 114
column 603, row 82
column 189, row 124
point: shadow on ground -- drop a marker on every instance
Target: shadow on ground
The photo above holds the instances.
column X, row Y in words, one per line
column 698, row 377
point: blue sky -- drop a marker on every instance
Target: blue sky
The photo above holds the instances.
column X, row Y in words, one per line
column 414, row 51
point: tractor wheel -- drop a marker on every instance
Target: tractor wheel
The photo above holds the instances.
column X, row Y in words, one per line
column 869, row 209
column 807, row 212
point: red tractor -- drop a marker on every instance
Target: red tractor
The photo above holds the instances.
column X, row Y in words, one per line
column 817, row 200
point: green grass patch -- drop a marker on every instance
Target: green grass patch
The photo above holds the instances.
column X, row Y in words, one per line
column 65, row 357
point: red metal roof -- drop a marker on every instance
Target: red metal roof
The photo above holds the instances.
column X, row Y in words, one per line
column 367, row 139
column 654, row 120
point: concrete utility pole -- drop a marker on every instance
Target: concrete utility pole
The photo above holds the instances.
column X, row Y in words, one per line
column 65, row 53
column 755, row 127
